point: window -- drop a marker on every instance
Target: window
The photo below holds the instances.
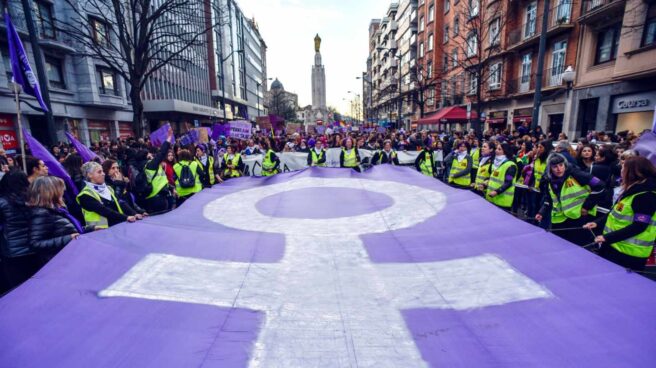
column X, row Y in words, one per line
column 472, row 45
column 431, row 13
column 446, row 34
column 7, row 63
column 445, row 63
column 55, row 72
column 473, row 84
column 557, row 63
column 456, row 25
column 106, row 81
column 422, row 26
column 608, row 41
column 447, row 6
column 454, row 58
column 494, row 32
column 429, row 70
column 531, row 19
column 525, row 78
column 430, row 97
column 495, row 76
column 100, row 31
column 44, row 20
column 430, row 42
column 421, row 49
column 474, row 8
column 649, row 37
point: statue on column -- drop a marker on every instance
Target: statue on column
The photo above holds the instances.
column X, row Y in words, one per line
column 317, row 43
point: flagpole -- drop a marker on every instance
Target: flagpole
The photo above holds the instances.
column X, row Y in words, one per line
column 20, row 128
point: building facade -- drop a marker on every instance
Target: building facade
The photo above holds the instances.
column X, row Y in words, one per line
column 406, row 39
column 385, row 73
column 238, row 68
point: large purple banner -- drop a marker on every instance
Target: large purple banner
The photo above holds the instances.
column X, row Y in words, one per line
column 386, row 268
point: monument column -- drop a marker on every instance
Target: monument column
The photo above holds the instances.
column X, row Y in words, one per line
column 319, row 108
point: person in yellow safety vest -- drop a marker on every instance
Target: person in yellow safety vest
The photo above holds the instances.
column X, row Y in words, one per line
column 270, row 161
column 99, row 204
column 158, row 200
column 572, row 196
column 484, row 168
column 501, row 185
column 386, row 156
column 630, row 229
column 538, row 170
column 475, row 153
column 232, row 165
column 349, row 157
column 460, row 163
column 187, row 176
column 425, row 163
column 206, row 162
column 317, row 155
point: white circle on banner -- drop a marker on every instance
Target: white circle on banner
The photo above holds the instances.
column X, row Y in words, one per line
column 411, row 205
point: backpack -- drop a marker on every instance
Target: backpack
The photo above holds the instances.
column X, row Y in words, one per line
column 186, row 179
column 141, row 186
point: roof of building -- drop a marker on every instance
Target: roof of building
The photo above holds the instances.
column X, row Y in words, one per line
column 277, row 85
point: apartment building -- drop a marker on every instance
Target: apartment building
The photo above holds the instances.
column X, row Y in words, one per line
column 406, row 38
column 385, row 74
column 615, row 86
column 368, row 76
column 429, row 57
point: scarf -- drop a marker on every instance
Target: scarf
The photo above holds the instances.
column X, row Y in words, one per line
column 317, row 150
column 499, row 160
column 101, row 189
column 461, row 156
column 484, row 159
column 203, row 160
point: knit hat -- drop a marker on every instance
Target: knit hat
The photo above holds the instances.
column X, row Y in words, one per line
column 311, row 142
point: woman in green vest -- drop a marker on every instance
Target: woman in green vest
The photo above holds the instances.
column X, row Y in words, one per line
column 232, row 165
column 484, row 167
column 630, row 229
column 187, row 176
column 317, row 155
column 461, row 166
column 100, row 206
column 572, row 196
column 538, row 168
column 206, row 163
column 475, row 153
column 270, row 161
column 425, row 163
column 501, row 185
column 349, row 157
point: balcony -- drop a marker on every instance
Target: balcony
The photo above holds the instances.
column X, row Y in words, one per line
column 560, row 20
column 594, row 10
column 393, row 25
column 551, row 79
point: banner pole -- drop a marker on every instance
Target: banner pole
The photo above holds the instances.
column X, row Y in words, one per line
column 20, row 129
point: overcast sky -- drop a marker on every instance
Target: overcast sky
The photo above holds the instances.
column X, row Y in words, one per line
column 288, row 28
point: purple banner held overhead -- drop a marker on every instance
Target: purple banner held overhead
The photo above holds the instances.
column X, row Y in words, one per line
column 220, row 129
column 158, row 137
column 54, row 167
column 321, row 129
column 84, row 151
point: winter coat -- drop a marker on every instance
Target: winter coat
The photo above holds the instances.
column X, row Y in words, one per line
column 50, row 231
column 15, row 220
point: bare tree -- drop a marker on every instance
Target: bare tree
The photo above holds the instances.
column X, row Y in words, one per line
column 470, row 49
column 137, row 38
column 422, row 77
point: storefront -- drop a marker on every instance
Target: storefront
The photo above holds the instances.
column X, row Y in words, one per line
column 521, row 116
column 99, row 130
column 497, row 120
column 634, row 112
column 125, row 130
column 8, row 136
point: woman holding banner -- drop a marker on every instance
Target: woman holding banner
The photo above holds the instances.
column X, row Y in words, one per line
column 317, row 155
column 232, row 165
column 349, row 157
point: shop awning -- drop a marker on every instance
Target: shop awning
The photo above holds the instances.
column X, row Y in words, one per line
column 521, row 119
column 451, row 114
column 496, row 121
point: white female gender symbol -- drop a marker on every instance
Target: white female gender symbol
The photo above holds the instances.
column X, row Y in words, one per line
column 326, row 304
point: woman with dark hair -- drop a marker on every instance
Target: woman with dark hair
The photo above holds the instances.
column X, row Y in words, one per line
column 461, row 164
column 349, row 157
column 484, row 167
column 585, row 157
column 51, row 225
column 501, row 185
column 602, row 169
column 120, row 184
column 19, row 262
column 573, row 197
column 630, row 228
column 73, row 165
column 232, row 165
column 188, row 175
column 35, row 168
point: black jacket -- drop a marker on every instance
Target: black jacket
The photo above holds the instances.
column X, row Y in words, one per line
column 381, row 158
column 596, row 186
column 50, row 231
column 15, row 221
column 107, row 209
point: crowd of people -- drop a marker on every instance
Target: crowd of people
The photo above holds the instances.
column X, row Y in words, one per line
column 553, row 182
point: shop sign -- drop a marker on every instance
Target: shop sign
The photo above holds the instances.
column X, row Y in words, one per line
column 8, row 139
column 634, row 103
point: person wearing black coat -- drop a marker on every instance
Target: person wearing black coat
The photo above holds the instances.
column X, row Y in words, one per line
column 52, row 227
column 17, row 261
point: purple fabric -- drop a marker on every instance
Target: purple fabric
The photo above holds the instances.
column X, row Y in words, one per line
column 220, row 130
column 54, row 167
column 20, row 64
column 600, row 315
column 158, row 137
column 84, row 151
column 646, row 146
column 72, row 219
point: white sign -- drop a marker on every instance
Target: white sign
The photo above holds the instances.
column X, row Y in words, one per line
column 634, row 103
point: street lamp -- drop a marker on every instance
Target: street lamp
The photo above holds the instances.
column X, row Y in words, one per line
column 223, row 60
column 398, row 114
column 365, row 109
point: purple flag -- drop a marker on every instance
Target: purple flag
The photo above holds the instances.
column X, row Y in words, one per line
column 54, row 167
column 158, row 137
column 20, row 65
column 646, row 146
column 285, row 284
column 84, row 151
column 220, row 129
